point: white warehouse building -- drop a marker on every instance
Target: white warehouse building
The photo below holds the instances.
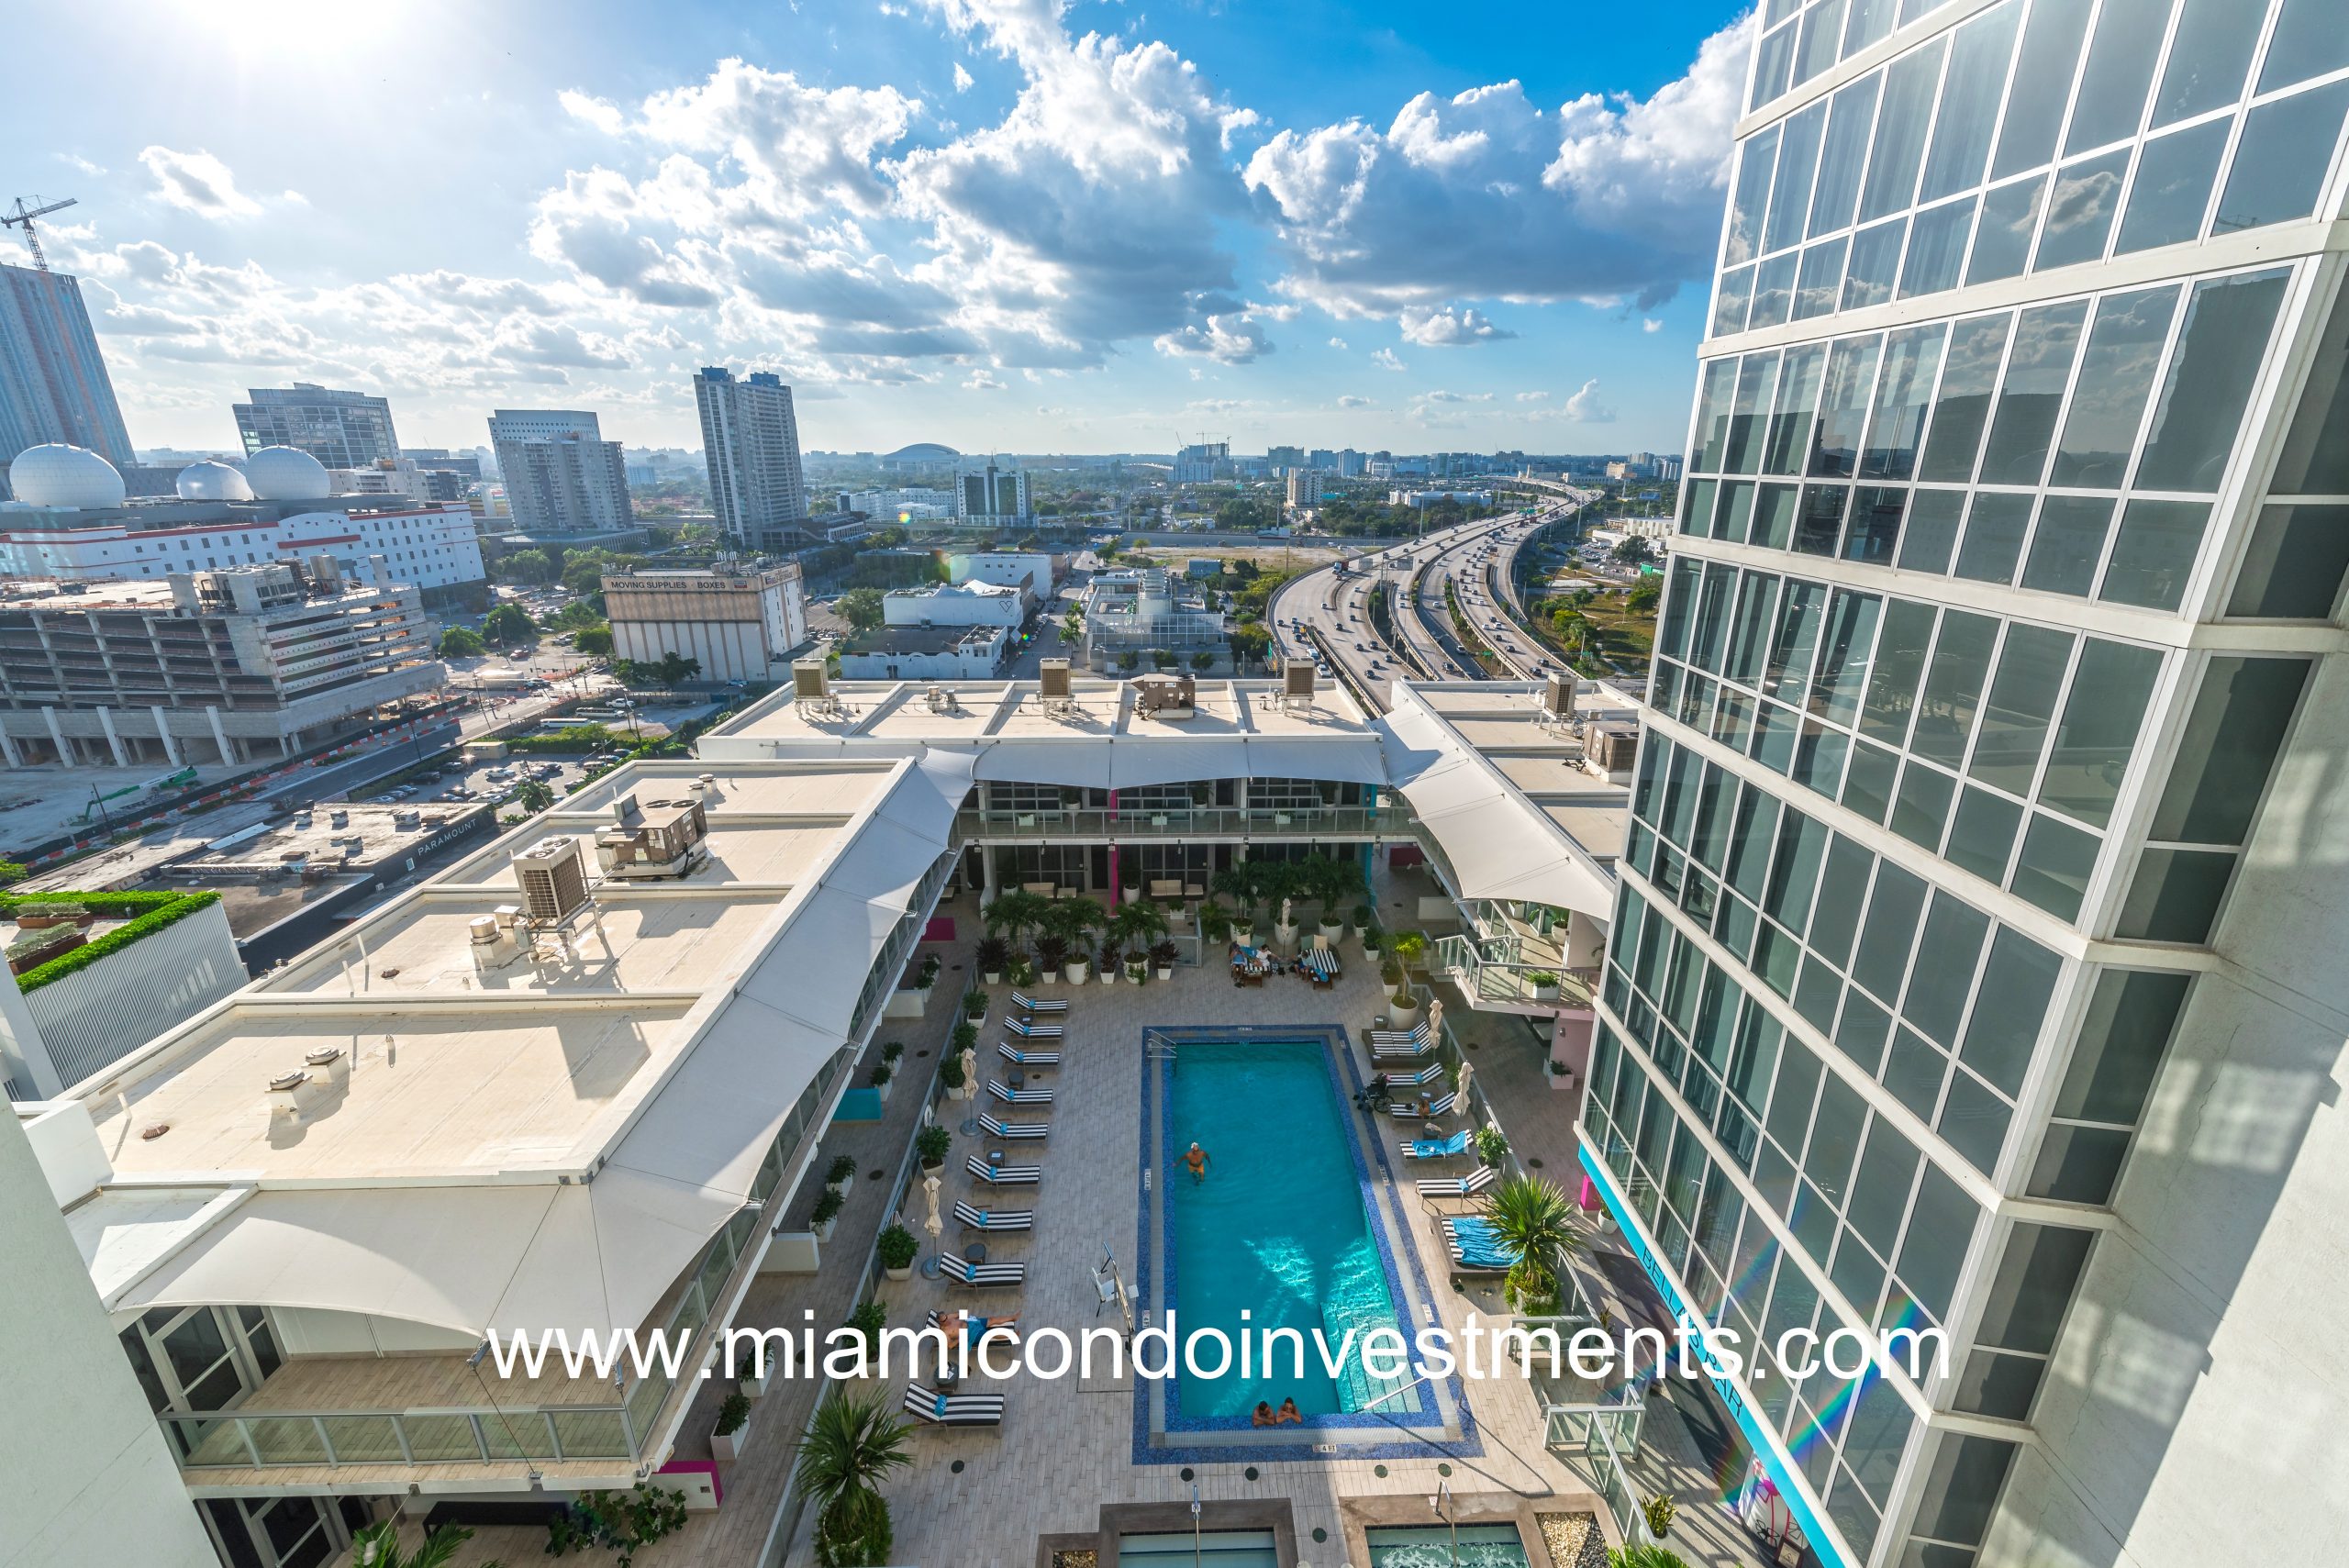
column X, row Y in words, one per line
column 739, row 625
column 957, row 603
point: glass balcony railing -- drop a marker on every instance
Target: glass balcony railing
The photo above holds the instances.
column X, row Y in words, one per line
column 1496, row 972
column 277, row 1439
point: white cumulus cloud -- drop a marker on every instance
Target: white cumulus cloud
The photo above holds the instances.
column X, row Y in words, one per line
column 1585, row 408
column 1448, row 328
column 197, row 183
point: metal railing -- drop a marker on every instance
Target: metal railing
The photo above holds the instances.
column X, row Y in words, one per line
column 479, row 1435
column 1393, row 821
column 1487, row 970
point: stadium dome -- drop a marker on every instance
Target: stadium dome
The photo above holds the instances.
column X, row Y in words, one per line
column 59, row 475
column 209, row 481
column 287, row 474
column 923, row 451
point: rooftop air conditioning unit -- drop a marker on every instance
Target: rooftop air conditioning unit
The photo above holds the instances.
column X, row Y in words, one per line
column 1296, row 680
column 553, row 879
column 1558, row 696
column 1052, row 677
column 810, row 681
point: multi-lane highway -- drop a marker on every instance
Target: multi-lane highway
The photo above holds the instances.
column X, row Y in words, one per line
column 1325, row 615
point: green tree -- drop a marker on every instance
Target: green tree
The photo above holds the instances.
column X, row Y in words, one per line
column 525, row 566
column 461, row 642
column 861, row 607
column 851, row 1447
column 1644, row 595
column 1015, row 913
column 1633, row 550
column 596, row 642
column 674, row 670
column 533, row 796
column 578, row 614
column 1531, row 1217
column 1254, row 641
column 1203, row 660
column 509, row 626
column 1130, row 661
column 378, row 1545
column 1644, row 1557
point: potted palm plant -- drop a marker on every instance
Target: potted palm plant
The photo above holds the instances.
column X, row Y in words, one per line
column 1052, row 956
column 933, row 1144
column 853, row 1445
column 1014, row 914
column 897, row 1249
column 826, row 1213
column 1361, row 915
column 1544, row 984
column 725, row 1438
column 1238, row 883
column 1215, row 923
column 951, row 1077
column 841, row 1174
column 1136, row 926
column 1162, row 954
column 1137, row 967
column 1533, row 1218
column 881, row 1079
column 993, row 954
column 1073, row 921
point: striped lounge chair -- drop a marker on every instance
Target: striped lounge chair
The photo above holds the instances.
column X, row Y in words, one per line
column 1322, row 964
column 1011, row 1130
column 935, row 1409
column 1418, row 1080
column 1026, row 1030
column 1400, row 1046
column 1443, row 1107
column 1003, row 1175
column 1475, row 1248
column 1469, row 1186
column 1019, row 1058
column 994, row 1219
column 1059, row 1005
column 1436, row 1148
column 1011, row 1097
column 1004, row 1327
column 961, row 1271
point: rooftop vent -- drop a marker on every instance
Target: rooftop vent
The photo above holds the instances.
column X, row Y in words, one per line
column 1053, row 682
column 1296, row 682
column 811, row 683
column 553, row 879
column 1558, row 696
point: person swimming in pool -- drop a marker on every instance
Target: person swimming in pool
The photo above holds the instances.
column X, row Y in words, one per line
column 1288, row 1413
column 1262, row 1414
column 1197, row 1159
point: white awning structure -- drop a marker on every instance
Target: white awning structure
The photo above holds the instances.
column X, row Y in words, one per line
column 1139, row 761
column 1497, row 843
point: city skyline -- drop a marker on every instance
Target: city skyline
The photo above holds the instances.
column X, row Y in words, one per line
column 1415, row 249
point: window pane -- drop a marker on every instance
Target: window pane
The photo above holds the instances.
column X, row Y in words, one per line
column 2309, row 42
column 1969, row 106
column 1822, row 31
column 2131, row 1018
column 1946, row 956
column 1820, row 276
column 2021, row 700
column 1848, row 125
column 2116, row 377
column 1837, row 918
column 1899, row 142
column 2079, row 1164
column 1962, row 1489
column 1756, row 380
column 1730, row 305
column 1961, row 663
column 2009, row 1010
column 2154, row 554
column 1993, row 535
column 1867, row 782
column 2080, row 213
column 1773, row 516
column 1850, row 373
column 1756, row 159
column 2175, row 895
column 1778, row 51
column 1941, row 1231
column 1696, row 506
column 2120, row 69
column 2068, row 543
column 1974, row 1121
column 1910, row 359
column 1712, row 416
column 1899, row 661
column 2002, row 237
column 1962, row 404
column 2173, row 188
column 1790, row 189
column 2280, row 160
column 1876, row 259
column 2051, row 47
column 1891, row 928
column 2099, row 729
column 1931, row 530
column 2229, row 747
column 2210, row 372
column 1797, row 403
column 2315, row 460
column 1821, row 522
column 1870, row 20
column 1774, row 292
column 2034, row 387
column 2053, row 871
column 1880, row 1195
column 1874, row 524
column 1982, row 835
column 1920, row 805
column 2208, row 60
column 2032, row 1289
column 2295, row 565
column 1937, row 249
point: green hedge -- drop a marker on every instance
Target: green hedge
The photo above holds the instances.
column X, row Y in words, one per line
column 576, row 738
column 149, row 912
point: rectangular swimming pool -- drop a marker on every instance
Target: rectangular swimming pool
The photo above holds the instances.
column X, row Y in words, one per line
column 1277, row 1227
column 1432, row 1546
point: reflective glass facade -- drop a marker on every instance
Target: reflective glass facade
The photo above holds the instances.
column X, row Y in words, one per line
column 2013, row 539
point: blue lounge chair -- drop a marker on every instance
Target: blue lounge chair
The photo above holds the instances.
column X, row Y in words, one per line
column 1019, row 1058
column 1010, row 1129
column 994, row 1219
column 932, row 1408
column 1469, row 1186
column 1011, row 1097
column 1026, row 1030
column 1024, row 1005
column 1474, row 1246
column 1436, row 1148
column 1003, row 1175
column 961, row 1271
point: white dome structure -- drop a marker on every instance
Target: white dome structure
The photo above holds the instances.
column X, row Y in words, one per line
column 209, row 481
column 287, row 474
column 59, row 475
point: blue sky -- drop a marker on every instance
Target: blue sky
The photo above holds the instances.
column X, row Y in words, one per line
column 1028, row 225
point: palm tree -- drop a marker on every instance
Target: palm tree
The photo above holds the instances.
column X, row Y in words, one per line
column 1015, row 913
column 1644, row 1557
column 1073, row 921
column 1277, row 880
column 1236, row 883
column 378, row 1545
column 1332, row 883
column 851, row 1448
column 1531, row 1216
column 1136, row 926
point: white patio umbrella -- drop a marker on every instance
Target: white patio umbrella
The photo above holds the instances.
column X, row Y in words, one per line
column 930, row 1222
column 1435, row 1018
column 1467, row 1073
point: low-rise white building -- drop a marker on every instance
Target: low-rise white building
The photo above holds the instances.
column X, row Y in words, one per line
column 740, row 626
column 1034, row 570
column 956, row 604
column 926, row 653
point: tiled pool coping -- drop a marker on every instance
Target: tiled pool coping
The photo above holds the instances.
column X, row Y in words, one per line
column 1154, row 1287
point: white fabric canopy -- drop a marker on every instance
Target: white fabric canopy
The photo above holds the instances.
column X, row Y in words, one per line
column 1137, row 762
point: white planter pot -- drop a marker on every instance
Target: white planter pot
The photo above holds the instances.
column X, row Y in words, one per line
column 1334, row 932
column 995, row 976
column 1078, row 973
column 884, row 1089
column 1243, row 933
column 753, row 1387
column 844, row 1185
column 1135, row 976
column 1108, row 977
column 1166, row 972
column 727, row 1446
column 904, row 1274
column 1285, row 937
column 823, row 1232
column 1545, row 993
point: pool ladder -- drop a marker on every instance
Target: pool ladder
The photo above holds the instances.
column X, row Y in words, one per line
column 1156, row 1047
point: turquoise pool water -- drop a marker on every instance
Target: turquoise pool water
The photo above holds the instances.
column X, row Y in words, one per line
column 1276, row 1228
column 1430, row 1546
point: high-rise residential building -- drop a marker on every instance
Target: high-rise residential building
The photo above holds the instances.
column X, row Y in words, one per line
column 1304, row 488
column 53, row 383
column 750, row 440
column 991, row 495
column 341, row 430
column 1975, row 966
column 561, row 476
column 1202, row 462
column 1285, row 457
column 1350, row 463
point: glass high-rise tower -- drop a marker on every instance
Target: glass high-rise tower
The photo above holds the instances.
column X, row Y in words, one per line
column 1976, row 966
column 53, row 381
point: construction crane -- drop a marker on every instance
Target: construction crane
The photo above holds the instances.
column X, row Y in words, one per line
column 22, row 217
